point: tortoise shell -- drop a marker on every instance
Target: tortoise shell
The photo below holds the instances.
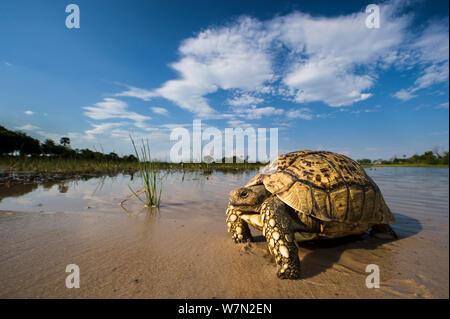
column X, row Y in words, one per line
column 327, row 186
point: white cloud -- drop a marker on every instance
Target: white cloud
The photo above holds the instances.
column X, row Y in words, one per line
column 436, row 73
column 101, row 129
column 325, row 80
column 302, row 113
column 442, row 106
column 324, row 115
column 301, row 58
column 142, row 94
column 27, row 127
column 171, row 126
column 111, row 108
column 48, row 135
column 226, row 58
column 160, row 111
column 334, row 58
column 404, row 95
column 28, row 112
column 238, row 123
column 233, row 57
column 430, row 52
column 37, row 130
column 244, row 100
column 252, row 112
column 305, row 58
column 244, row 105
column 114, row 136
column 433, row 43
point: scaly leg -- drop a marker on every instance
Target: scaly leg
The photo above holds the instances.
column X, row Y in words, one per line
column 238, row 227
column 279, row 233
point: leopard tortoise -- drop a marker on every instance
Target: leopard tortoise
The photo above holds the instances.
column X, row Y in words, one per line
column 307, row 195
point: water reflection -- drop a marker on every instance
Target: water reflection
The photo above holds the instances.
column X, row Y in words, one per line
column 17, row 190
column 63, row 188
column 21, row 189
column 409, row 191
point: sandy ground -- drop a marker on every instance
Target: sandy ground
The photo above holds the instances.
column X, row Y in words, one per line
column 151, row 256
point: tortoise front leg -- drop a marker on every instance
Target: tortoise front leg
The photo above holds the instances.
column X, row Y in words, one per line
column 238, row 227
column 280, row 237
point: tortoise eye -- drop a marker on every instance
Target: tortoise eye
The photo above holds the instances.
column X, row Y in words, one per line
column 244, row 194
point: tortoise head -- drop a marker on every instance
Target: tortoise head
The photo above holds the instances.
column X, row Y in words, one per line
column 249, row 198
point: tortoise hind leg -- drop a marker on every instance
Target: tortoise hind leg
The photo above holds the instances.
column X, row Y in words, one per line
column 238, row 227
column 383, row 231
column 280, row 238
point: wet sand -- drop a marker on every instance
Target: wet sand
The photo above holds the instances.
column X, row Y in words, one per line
column 184, row 250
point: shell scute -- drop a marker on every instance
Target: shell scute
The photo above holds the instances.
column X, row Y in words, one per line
column 356, row 204
column 339, row 203
column 298, row 196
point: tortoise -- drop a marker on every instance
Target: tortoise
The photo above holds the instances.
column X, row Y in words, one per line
column 307, row 195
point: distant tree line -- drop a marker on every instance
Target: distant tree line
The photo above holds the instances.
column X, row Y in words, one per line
column 16, row 143
column 428, row 158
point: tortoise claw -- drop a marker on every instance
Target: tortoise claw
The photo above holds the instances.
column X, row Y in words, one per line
column 289, row 273
column 244, row 239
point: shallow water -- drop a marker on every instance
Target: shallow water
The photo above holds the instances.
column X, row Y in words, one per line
column 183, row 250
column 103, row 194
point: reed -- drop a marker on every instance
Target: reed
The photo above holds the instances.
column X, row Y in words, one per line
column 152, row 188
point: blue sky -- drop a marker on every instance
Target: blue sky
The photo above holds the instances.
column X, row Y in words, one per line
column 310, row 68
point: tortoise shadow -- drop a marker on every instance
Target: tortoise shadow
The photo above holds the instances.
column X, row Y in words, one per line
column 323, row 254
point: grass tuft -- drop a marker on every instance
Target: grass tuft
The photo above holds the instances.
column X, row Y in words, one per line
column 152, row 188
